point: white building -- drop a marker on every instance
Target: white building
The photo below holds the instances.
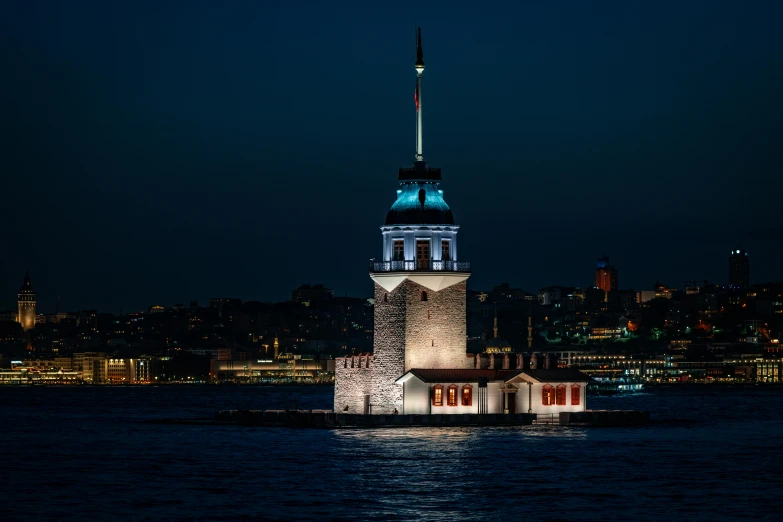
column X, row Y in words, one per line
column 492, row 391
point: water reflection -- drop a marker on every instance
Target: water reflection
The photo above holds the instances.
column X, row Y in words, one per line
column 103, row 460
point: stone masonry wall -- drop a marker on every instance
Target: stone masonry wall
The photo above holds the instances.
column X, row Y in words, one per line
column 352, row 381
column 435, row 328
column 388, row 348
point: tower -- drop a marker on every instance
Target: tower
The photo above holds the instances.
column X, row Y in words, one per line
column 605, row 275
column 420, row 289
column 739, row 268
column 26, row 304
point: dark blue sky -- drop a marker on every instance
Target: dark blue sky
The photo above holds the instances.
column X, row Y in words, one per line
column 169, row 151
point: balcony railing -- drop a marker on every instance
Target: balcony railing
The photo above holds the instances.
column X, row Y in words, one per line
column 419, row 266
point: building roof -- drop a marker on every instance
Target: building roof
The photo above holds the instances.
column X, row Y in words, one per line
column 419, row 203
column 457, row 375
column 559, row 375
column 447, row 375
column 27, row 286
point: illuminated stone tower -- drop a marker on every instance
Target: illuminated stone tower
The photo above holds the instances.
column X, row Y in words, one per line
column 420, row 284
column 420, row 291
column 26, row 302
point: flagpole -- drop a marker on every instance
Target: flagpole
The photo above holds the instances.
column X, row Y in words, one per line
column 419, row 70
column 419, row 144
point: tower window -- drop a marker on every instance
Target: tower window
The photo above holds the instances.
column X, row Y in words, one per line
column 385, row 298
column 423, row 295
column 561, row 395
column 398, row 252
column 452, row 395
column 445, row 250
column 422, row 254
column 576, row 394
column 437, row 395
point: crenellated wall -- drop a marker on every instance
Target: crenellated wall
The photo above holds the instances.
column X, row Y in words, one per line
column 352, row 382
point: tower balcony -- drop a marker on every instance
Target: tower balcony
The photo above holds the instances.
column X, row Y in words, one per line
column 430, row 265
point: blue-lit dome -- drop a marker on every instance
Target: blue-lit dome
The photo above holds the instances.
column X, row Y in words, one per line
column 419, row 203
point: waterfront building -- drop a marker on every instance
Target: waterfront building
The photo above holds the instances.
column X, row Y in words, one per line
column 493, row 391
column 419, row 363
column 93, row 366
column 26, row 304
column 293, row 368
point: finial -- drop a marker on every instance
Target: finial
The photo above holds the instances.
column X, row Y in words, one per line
column 419, row 52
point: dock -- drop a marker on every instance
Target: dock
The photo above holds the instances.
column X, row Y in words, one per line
column 327, row 419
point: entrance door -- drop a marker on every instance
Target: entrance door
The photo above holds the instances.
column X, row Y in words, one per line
column 512, row 402
column 422, row 254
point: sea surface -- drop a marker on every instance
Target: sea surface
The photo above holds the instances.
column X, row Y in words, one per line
column 89, row 453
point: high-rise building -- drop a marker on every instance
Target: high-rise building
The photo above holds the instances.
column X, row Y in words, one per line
column 605, row 275
column 26, row 304
column 739, row 268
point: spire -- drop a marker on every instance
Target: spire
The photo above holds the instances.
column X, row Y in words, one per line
column 417, row 97
column 419, row 52
column 27, row 286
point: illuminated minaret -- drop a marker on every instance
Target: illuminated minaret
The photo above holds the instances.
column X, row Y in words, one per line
column 417, row 96
column 420, row 291
column 26, row 302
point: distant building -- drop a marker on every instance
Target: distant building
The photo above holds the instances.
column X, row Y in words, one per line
column 504, row 293
column 550, row 295
column 311, row 294
column 92, row 365
column 26, row 302
column 219, row 303
column 605, row 275
column 739, row 268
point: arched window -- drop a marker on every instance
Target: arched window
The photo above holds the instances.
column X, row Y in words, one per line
column 437, row 395
column 451, row 396
column 385, row 298
column 423, row 295
column 467, row 395
column 548, row 395
column 576, row 394
column 561, row 395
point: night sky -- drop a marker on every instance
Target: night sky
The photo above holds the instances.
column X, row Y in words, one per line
column 167, row 151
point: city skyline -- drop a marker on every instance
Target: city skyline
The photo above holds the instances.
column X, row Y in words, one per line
column 730, row 282
column 226, row 158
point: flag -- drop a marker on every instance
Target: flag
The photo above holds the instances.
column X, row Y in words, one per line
column 416, row 95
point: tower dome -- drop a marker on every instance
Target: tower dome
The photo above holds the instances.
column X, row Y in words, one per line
column 419, row 200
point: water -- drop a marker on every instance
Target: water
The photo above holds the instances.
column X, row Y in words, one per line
column 87, row 453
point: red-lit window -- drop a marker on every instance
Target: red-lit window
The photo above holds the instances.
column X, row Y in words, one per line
column 437, row 395
column 576, row 393
column 467, row 395
column 561, row 395
column 452, row 394
column 445, row 252
column 548, row 395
